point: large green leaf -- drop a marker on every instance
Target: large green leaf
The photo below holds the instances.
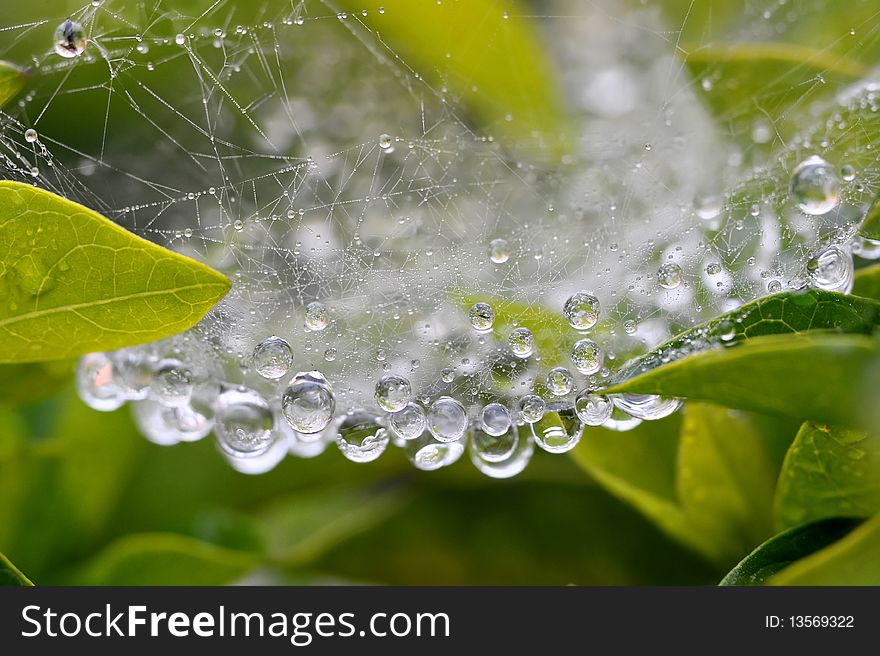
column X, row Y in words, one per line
column 829, row 472
column 852, row 560
column 12, row 79
column 866, row 282
column 787, row 547
column 72, row 282
column 28, row 382
column 870, row 226
column 809, row 376
column 10, row 575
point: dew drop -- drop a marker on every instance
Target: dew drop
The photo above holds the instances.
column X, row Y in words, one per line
column 848, row 172
column 243, row 423
column 832, row 270
column 180, row 39
column 172, row 385
column 409, row 422
column 482, row 316
column 494, row 419
column 559, row 434
column 647, row 406
column 272, row 357
column 96, row 383
column 593, row 409
column 521, row 342
column 586, row 356
column 30, row 135
column 447, row 419
column 308, row 402
column 581, row 310
column 70, row 39
column 393, row 393
column 669, row 275
column 708, row 206
column 532, row 408
column 316, row 316
column 504, row 456
column 774, row 286
column 499, row 251
column 360, row 438
column 815, row 186
column 559, row 381
column 428, row 454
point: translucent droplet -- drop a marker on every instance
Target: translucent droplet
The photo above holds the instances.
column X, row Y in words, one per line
column 261, row 462
column 725, row 331
column 511, row 465
column 172, row 385
column 70, row 39
column 494, row 448
column 669, row 275
column 393, row 393
column 532, row 408
column 559, row 381
column 557, row 432
column 713, row 268
column 774, row 286
column 647, row 406
column 815, row 186
column 308, row 402
column 134, row 373
column 166, row 425
column 408, row 423
column 303, row 445
column 427, row 454
column 621, row 421
column 447, row 375
column 447, row 419
column 499, row 251
column 848, row 172
column 482, row 316
column 360, row 438
column 521, row 342
column 243, row 423
column 316, row 316
column 630, row 327
column 866, row 248
column 494, row 419
column 708, row 206
column 30, row 135
column 586, row 356
column 180, row 39
column 272, row 357
column 581, row 310
column 96, row 383
column 832, row 270
column 593, row 409
column 386, row 143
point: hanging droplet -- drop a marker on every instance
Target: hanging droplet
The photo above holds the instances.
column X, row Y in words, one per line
column 70, row 39
column 134, row 372
column 494, row 448
column 386, row 143
column 586, row 356
column 360, row 438
column 581, row 310
column 559, row 381
column 866, row 248
column 848, row 172
column 172, row 385
column 815, row 186
column 557, row 432
column 521, row 342
column 96, row 383
column 774, row 286
column 621, row 421
column 832, row 270
column 409, row 422
column 243, row 423
column 308, row 402
column 393, row 393
column 428, row 454
column 316, row 316
column 499, row 251
column 669, row 275
column 494, row 419
column 482, row 316
column 272, row 357
column 647, row 406
column 485, row 458
column 447, row 419
column 532, row 408
column 30, row 135
column 593, row 409
column 708, row 206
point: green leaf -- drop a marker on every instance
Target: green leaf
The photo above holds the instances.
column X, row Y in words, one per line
column 10, row 575
column 821, row 377
column 498, row 67
column 781, row 550
column 29, row 382
column 870, row 226
column 866, row 282
column 12, row 79
column 852, row 560
column 164, row 559
column 72, row 282
column 829, row 472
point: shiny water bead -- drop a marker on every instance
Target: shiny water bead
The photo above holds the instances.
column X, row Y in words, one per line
column 509, row 466
column 630, row 327
column 180, row 39
column 482, row 316
column 447, row 419
column 70, row 39
column 621, row 421
column 243, row 422
column 172, row 384
column 558, row 432
column 134, row 372
column 302, row 445
column 581, row 310
column 669, row 275
column 166, row 425
column 316, row 316
column 494, row 448
column 593, row 409
column 409, row 422
column 30, row 135
column 499, row 251
column 774, row 286
column 708, row 206
column 848, row 172
column 393, row 393
column 272, row 357
column 447, row 375
column 386, row 143
column 815, row 186
column 713, row 268
column 521, row 342
column 586, row 356
column 428, row 454
column 262, row 462
column 866, row 248
column 559, row 381
column 97, row 384
column 494, row 419
column 647, row 406
column 360, row 438
column 832, row 270
column 532, row 408
column 308, row 402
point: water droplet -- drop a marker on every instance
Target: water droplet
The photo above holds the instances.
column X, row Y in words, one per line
column 165, row 425
column 504, row 456
column 134, row 373
column 647, row 406
column 630, row 327
column 316, row 316
column 238, row 225
column 532, row 408
column 243, row 423
column 669, row 275
column 587, row 356
column 142, row 47
column 521, row 342
column 272, row 357
column 499, row 251
column 593, row 409
column 393, row 393
column 172, row 384
column 815, row 186
column 866, row 248
column 621, row 421
column 386, row 143
column 180, row 39
column 494, row 419
column 832, row 270
column 308, row 402
column 447, row 419
column 447, row 375
column 495, row 447
column 30, row 135
column 581, row 310
column 774, row 286
column 427, row 454
column 725, row 331
column 848, row 172
column 708, row 206
column 713, row 268
column 559, row 381
column 360, row 438
column 409, row 422
column 482, row 316
column 96, row 383
column 70, row 39
column 557, row 432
